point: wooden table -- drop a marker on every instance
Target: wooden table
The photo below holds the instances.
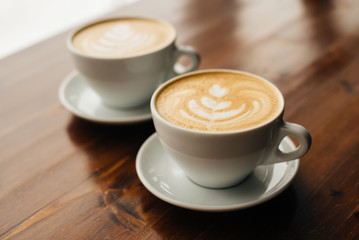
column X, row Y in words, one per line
column 62, row 177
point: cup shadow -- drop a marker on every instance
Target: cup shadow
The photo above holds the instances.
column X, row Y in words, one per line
column 94, row 138
column 250, row 223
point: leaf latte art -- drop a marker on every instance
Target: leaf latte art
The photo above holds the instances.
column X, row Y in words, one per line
column 122, row 37
column 219, row 102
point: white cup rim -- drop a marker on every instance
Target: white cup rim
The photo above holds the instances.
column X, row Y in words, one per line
column 155, row 113
column 72, row 33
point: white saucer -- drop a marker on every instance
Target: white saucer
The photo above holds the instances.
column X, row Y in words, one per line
column 163, row 178
column 82, row 101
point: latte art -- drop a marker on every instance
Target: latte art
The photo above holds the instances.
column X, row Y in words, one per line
column 217, row 102
column 119, row 40
column 122, row 37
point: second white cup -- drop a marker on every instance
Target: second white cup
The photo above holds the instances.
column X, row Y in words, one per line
column 125, row 59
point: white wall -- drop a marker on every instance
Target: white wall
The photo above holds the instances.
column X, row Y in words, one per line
column 26, row 22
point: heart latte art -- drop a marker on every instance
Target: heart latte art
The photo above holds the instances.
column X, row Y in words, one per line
column 219, row 101
column 122, row 37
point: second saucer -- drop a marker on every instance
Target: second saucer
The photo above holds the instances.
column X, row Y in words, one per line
column 81, row 100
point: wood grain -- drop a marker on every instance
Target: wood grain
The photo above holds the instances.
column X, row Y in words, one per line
column 62, row 177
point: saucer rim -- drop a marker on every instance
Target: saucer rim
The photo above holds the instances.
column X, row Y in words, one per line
column 287, row 179
column 127, row 120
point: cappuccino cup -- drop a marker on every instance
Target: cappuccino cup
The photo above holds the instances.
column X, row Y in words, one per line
column 125, row 59
column 219, row 125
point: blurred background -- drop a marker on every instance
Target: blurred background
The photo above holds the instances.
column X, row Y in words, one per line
column 24, row 23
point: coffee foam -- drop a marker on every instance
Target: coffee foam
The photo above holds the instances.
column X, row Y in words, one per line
column 218, row 102
column 122, row 37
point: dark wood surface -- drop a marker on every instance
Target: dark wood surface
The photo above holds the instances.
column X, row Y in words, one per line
column 62, row 177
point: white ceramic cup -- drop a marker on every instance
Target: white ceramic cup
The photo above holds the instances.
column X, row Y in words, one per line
column 127, row 82
column 223, row 159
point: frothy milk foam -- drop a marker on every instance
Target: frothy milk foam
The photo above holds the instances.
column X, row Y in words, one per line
column 124, row 37
column 219, row 101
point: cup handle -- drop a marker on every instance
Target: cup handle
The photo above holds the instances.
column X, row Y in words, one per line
column 289, row 129
column 191, row 53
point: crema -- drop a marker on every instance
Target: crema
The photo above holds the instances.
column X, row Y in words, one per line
column 124, row 37
column 219, row 101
